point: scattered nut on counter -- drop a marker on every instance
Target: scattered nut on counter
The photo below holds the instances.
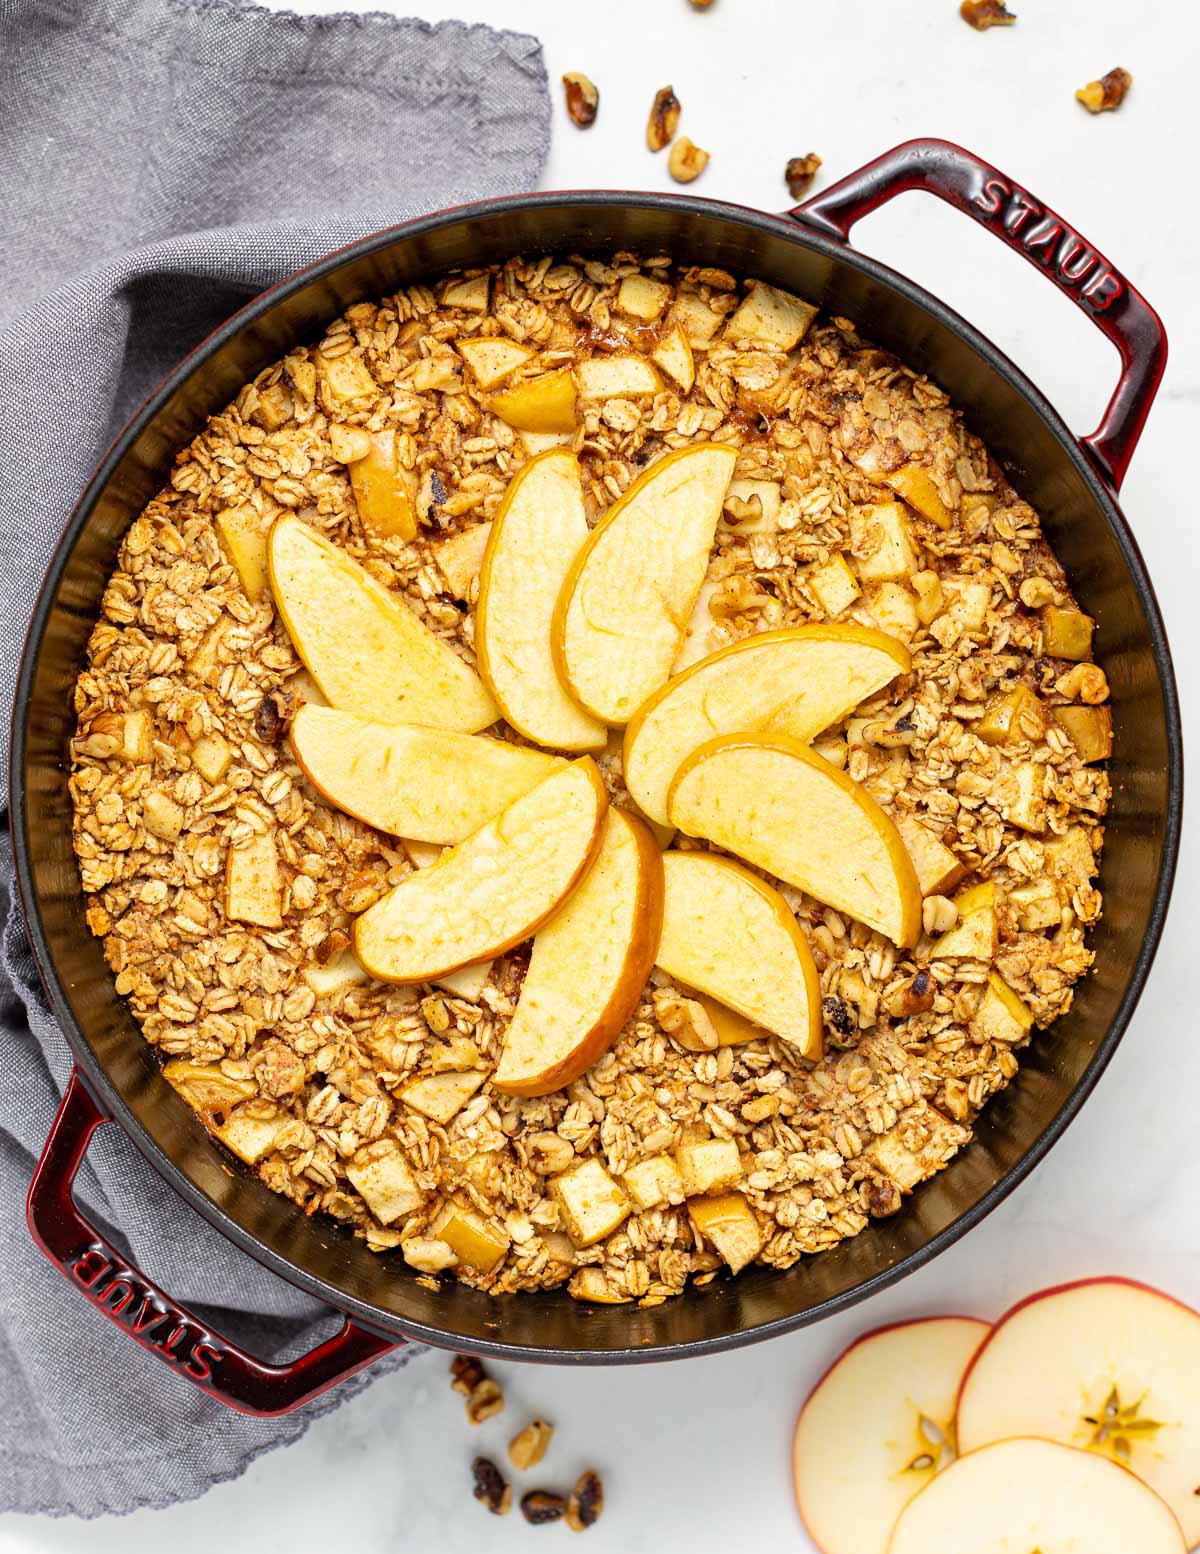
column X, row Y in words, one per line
column 528, row 1446
column 800, row 172
column 686, row 161
column 583, row 99
column 1106, row 94
column 490, row 1486
column 586, row 1502
column 539, row 1506
column 663, row 120
column 483, row 1394
column 982, row 14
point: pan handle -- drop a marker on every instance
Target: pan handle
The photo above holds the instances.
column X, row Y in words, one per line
column 1031, row 228
column 135, row 1304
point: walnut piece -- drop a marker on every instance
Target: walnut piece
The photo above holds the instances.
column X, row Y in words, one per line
column 528, row 1446
column 486, row 1401
column 490, row 1488
column 982, row 14
column 539, row 1506
column 586, row 1502
column 686, row 161
column 466, row 1372
column 583, row 100
column 800, row 172
column 1106, row 94
column 663, row 120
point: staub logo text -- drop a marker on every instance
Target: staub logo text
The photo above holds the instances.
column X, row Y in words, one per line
column 1049, row 240
column 126, row 1297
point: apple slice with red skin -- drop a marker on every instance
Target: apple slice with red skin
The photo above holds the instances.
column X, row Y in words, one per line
column 1106, row 1364
column 876, row 1428
column 1027, row 1495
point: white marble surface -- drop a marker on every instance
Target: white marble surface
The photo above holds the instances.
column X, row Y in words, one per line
column 696, row 1456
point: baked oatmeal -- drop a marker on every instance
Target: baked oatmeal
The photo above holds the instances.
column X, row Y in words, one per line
column 226, row 889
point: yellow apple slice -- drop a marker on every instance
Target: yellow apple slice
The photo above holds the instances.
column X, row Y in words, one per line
column 589, row 965
column 617, row 377
column 877, row 1427
column 626, row 601
column 1104, row 1364
column 673, row 355
column 424, row 784
column 491, row 891
column 1032, row 1495
column 782, row 807
column 729, row 934
column 545, row 404
column 468, row 981
column 492, row 360
column 383, row 488
column 797, row 681
column 535, row 537
column 361, row 643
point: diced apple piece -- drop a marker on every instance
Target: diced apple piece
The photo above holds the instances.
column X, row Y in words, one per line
column 653, row 1182
column 365, row 648
column 1001, row 1015
column 492, row 360
column 592, row 1203
column 545, row 404
column 424, row 784
column 770, row 503
column 1013, row 717
column 861, row 1450
column 346, row 377
column 968, row 602
column 976, row 897
column 253, row 888
column 591, row 1285
column 894, row 610
column 834, row 585
column 383, row 488
column 1035, row 906
column 1026, row 1493
column 161, row 815
column 1066, row 633
column 797, row 681
column 491, row 891
column 275, row 407
column 341, row 972
column 468, row 981
column 206, row 1087
column 772, row 316
column 589, row 965
column 917, row 487
column 380, row 1175
column 211, row 756
column 883, row 546
column 626, row 600
column 707, row 1166
column 729, row 934
column 537, row 534
column 123, row 736
column 728, row 1222
column 440, row 1097
column 541, row 442
column 245, row 540
column 673, row 355
column 477, row 1242
column 1107, row 1365
column 698, row 321
column 1090, row 730
column 770, row 800
column 975, row 937
column 204, row 661
column 470, row 294
column 252, row 1130
column 460, row 557
column 834, row 749
column 617, row 377
column 1018, row 793
column 640, row 297
column 938, row 869
column 1071, row 858
column 305, row 691
column 916, row 1149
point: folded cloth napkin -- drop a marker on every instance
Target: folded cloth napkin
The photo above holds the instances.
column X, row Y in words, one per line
column 160, row 162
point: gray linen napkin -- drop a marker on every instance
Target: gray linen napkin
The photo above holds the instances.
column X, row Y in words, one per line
column 161, row 162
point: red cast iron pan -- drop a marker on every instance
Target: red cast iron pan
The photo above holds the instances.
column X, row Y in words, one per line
column 1071, row 481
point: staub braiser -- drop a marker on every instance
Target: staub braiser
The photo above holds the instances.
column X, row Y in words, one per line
column 1072, row 482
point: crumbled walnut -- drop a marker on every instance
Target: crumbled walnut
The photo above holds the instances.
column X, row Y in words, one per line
column 549, row 1153
column 1035, row 592
column 583, row 99
column 883, row 1198
column 485, row 1401
column 982, row 14
column 466, row 1372
column 428, row 1255
column 686, row 161
column 938, row 915
column 1107, row 93
column 586, row 1502
column 663, row 120
column 528, row 1446
column 539, row 1506
column 743, row 509
column 912, row 997
column 1086, row 683
column 800, row 172
column 490, row 1487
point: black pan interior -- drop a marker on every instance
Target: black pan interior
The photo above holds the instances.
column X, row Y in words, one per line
column 1047, row 468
